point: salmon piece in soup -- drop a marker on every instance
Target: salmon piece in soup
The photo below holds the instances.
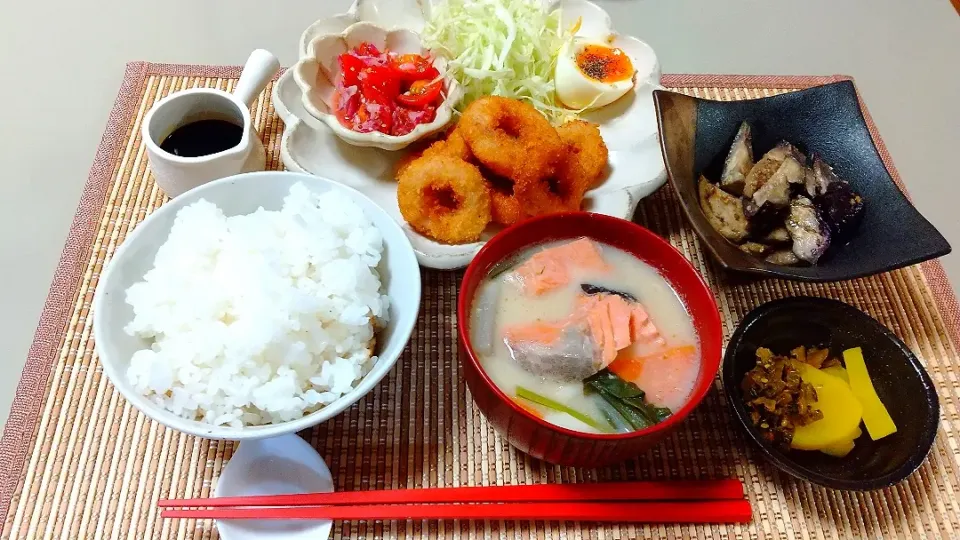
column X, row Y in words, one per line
column 584, row 342
column 561, row 350
column 553, row 267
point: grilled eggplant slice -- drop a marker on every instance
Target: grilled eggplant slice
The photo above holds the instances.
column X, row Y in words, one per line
column 763, row 219
column 819, row 177
column 756, row 248
column 759, row 174
column 739, row 161
column 783, row 257
column 779, row 235
column 776, row 190
column 723, row 211
column 841, row 208
column 790, row 208
column 811, row 236
column 768, row 165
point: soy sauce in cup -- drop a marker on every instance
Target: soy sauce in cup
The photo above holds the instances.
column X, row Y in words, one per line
column 202, row 138
column 197, row 135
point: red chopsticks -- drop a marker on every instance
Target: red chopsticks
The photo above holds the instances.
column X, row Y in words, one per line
column 606, row 491
column 711, row 501
column 642, row 512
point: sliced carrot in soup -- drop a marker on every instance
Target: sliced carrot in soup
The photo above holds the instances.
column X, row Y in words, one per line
column 627, row 366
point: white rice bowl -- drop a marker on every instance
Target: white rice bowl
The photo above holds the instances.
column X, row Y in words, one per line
column 259, row 318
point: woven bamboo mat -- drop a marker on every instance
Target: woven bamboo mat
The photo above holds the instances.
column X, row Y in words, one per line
column 78, row 462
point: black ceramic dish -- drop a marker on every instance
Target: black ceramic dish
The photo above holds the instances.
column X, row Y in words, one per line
column 695, row 136
column 899, row 379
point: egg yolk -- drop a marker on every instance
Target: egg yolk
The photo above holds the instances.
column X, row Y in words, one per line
column 604, row 64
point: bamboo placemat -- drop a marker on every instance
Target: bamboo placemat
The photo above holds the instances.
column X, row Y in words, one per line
column 79, row 462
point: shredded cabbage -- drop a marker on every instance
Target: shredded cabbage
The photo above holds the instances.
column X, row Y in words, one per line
column 500, row 47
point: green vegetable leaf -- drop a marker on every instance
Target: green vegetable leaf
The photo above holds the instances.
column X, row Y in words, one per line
column 613, row 416
column 635, row 418
column 627, row 398
column 610, row 382
column 530, row 395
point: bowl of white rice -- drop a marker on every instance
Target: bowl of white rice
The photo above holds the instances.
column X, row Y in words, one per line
column 256, row 305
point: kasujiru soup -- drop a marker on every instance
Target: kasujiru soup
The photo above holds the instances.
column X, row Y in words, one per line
column 586, row 337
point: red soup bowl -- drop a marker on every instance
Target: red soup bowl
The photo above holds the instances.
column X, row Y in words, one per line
column 559, row 445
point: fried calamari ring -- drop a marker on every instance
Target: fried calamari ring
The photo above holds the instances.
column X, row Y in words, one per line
column 510, row 138
column 405, row 162
column 505, row 209
column 444, row 198
column 584, row 141
column 455, row 146
column 561, row 191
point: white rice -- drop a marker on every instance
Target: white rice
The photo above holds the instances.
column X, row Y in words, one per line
column 259, row 318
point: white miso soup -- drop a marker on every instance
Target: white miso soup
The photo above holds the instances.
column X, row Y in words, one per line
column 573, row 329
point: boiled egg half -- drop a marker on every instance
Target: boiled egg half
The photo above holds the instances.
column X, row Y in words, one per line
column 592, row 74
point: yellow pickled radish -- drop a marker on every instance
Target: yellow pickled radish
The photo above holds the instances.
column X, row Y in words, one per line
column 837, row 371
column 841, row 411
column 842, row 448
column 875, row 416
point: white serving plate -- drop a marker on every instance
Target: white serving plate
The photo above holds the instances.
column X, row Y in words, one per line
column 629, row 127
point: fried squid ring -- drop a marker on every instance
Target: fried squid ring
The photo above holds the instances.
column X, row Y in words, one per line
column 561, row 191
column 444, row 198
column 510, row 138
column 505, row 209
column 584, row 141
column 453, row 146
column 405, row 162
column 457, row 146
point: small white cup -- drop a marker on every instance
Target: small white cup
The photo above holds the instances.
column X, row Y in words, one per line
column 177, row 174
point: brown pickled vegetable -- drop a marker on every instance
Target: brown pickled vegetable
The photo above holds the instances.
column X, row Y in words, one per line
column 777, row 398
column 818, row 358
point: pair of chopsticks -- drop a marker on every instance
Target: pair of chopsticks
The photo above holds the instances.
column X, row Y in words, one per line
column 708, row 501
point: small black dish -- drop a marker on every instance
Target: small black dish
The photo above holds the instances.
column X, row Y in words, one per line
column 900, row 381
column 695, row 136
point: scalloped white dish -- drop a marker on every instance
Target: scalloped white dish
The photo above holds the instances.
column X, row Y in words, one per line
column 316, row 73
column 628, row 127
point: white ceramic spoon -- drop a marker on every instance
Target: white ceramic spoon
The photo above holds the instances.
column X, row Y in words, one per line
column 276, row 466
